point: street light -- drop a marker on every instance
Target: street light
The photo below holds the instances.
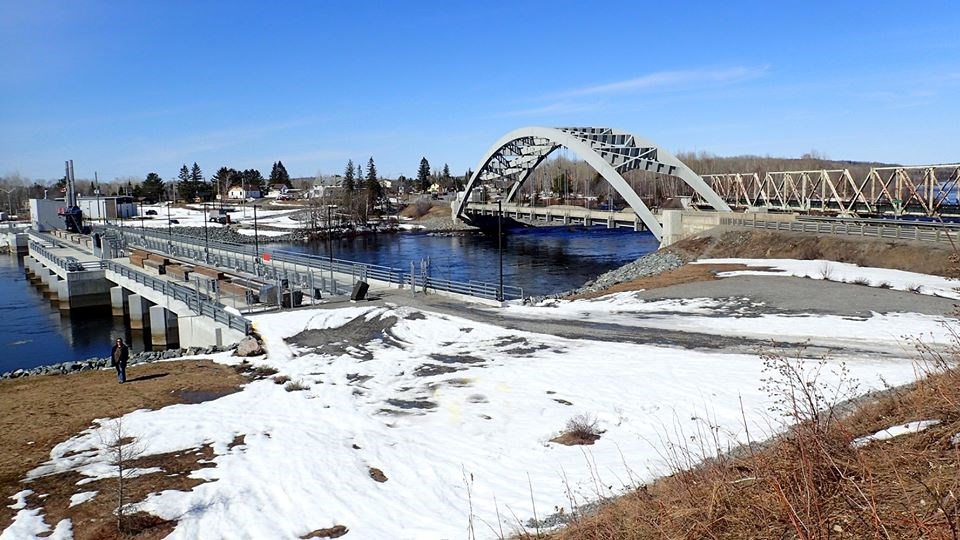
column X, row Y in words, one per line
column 500, row 246
column 206, row 238
column 169, row 232
column 330, row 242
column 256, row 239
column 141, row 218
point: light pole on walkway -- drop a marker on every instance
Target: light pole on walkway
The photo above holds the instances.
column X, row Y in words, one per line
column 256, row 238
column 206, row 238
column 330, row 242
column 500, row 246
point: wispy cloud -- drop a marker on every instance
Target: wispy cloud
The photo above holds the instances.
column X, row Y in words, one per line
column 666, row 80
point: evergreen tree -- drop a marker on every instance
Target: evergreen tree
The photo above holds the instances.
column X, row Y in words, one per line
column 349, row 183
column 253, row 179
column 184, row 175
column 462, row 182
column 423, row 175
column 195, row 174
column 278, row 175
column 152, row 187
column 372, row 185
column 359, row 173
column 221, row 182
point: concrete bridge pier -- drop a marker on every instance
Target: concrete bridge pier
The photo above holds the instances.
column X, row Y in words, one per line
column 83, row 290
column 118, row 301
column 48, row 282
column 164, row 330
column 139, row 312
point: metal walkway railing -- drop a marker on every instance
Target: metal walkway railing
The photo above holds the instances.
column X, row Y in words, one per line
column 243, row 257
column 191, row 297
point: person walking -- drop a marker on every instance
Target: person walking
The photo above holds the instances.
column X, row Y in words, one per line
column 118, row 359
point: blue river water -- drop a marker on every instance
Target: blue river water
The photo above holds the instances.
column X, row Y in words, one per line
column 540, row 260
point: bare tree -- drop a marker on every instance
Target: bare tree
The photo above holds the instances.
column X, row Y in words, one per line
column 121, row 449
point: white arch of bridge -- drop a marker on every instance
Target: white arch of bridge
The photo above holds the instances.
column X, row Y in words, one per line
column 610, row 152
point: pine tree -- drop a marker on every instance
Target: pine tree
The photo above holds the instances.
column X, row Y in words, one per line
column 195, row 174
column 152, row 187
column 278, row 175
column 423, row 175
column 372, row 185
column 348, row 181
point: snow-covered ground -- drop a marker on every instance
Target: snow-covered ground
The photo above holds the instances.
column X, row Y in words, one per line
column 457, row 414
column 747, row 318
column 844, row 272
column 193, row 216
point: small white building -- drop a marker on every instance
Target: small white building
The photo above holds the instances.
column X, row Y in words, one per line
column 107, row 208
column 243, row 192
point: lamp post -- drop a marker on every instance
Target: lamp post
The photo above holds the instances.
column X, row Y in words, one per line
column 141, row 218
column 206, row 238
column 256, row 239
column 330, row 242
column 500, row 246
column 169, row 232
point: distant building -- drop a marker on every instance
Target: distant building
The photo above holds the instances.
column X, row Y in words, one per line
column 325, row 191
column 244, row 192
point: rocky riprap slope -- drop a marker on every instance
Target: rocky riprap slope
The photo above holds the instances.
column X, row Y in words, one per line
column 648, row 265
column 101, row 363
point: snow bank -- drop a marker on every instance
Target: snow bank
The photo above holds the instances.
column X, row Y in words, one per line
column 844, row 272
column 895, row 431
column 456, row 414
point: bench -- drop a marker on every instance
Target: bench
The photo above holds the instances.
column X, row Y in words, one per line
column 179, row 272
column 209, row 272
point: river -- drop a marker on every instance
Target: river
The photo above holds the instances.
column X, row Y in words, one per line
column 540, row 260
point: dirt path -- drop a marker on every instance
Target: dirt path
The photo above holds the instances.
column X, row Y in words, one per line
column 40, row 412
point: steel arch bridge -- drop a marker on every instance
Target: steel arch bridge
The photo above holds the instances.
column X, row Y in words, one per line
column 610, row 152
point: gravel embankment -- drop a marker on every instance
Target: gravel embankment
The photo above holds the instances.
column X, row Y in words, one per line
column 648, row 265
column 101, row 363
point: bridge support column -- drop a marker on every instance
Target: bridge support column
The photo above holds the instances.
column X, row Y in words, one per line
column 139, row 314
column 30, row 268
column 118, row 301
column 610, row 222
column 62, row 296
column 197, row 331
column 163, row 327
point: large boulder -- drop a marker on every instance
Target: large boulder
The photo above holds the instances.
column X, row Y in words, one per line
column 249, row 346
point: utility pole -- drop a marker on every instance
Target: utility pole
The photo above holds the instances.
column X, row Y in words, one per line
column 500, row 246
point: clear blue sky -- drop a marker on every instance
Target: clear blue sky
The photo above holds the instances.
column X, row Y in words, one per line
column 128, row 87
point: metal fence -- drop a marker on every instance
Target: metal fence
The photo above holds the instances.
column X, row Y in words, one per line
column 867, row 228
column 317, row 271
column 195, row 301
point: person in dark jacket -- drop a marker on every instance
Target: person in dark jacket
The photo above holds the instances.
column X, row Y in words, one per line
column 118, row 359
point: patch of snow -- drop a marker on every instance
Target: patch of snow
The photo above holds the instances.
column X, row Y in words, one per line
column 29, row 523
column 82, row 497
column 843, row 272
column 740, row 317
column 478, row 420
column 955, row 440
column 895, row 431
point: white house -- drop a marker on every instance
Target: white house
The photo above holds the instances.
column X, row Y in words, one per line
column 243, row 192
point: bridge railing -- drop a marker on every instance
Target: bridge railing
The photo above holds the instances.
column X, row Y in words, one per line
column 873, row 228
column 244, row 258
column 194, row 301
column 191, row 297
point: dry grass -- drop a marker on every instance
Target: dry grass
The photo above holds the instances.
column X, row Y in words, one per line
column 688, row 273
column 580, row 430
column 40, row 412
column 810, row 483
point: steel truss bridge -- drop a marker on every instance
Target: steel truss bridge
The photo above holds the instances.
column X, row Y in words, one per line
column 926, row 190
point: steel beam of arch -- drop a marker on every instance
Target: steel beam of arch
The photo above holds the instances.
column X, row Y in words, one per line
column 599, row 164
